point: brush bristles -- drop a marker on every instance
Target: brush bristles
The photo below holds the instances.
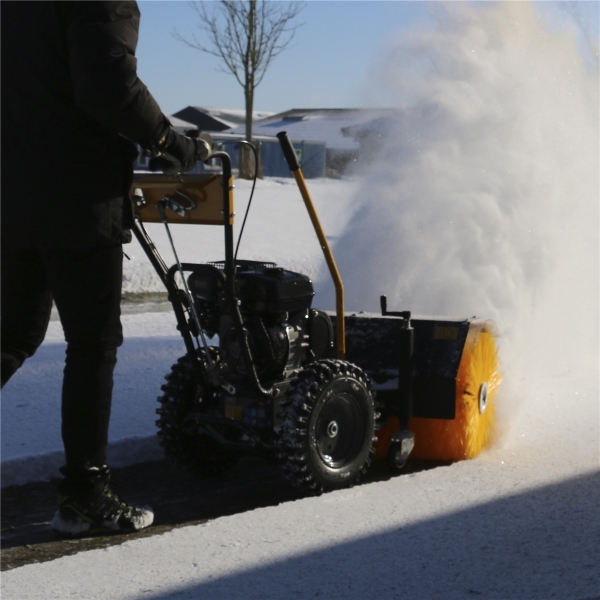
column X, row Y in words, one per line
column 471, row 431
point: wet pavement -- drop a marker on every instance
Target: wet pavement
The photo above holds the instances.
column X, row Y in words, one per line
column 177, row 497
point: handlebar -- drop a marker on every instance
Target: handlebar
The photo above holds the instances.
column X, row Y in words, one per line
column 288, row 151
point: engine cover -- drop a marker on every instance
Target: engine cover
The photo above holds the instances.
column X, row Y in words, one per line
column 275, row 307
column 272, row 290
column 278, row 344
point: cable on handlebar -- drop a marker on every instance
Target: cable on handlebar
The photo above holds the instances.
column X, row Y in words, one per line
column 250, row 199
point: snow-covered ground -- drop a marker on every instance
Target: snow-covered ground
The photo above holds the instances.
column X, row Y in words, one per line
column 492, row 210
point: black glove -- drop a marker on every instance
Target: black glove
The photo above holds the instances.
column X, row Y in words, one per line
column 179, row 153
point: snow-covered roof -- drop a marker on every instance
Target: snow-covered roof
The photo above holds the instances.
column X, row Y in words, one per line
column 229, row 117
column 234, row 116
column 180, row 123
column 219, row 136
column 318, row 125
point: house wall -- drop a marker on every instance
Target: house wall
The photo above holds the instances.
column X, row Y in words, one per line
column 311, row 158
column 311, row 155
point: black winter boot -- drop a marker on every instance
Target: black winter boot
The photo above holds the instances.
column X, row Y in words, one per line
column 86, row 505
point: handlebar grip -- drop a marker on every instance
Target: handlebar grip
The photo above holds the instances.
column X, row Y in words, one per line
column 288, row 151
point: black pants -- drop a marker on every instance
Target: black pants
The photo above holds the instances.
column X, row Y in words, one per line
column 86, row 287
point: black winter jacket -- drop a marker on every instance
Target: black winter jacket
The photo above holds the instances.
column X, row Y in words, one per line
column 70, row 93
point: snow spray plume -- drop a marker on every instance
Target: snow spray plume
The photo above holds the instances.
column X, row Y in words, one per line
column 483, row 198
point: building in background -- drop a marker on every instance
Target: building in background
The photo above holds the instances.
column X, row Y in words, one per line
column 329, row 142
column 324, row 125
column 311, row 155
column 217, row 119
column 227, row 128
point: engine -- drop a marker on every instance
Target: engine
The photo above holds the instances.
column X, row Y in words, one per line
column 283, row 331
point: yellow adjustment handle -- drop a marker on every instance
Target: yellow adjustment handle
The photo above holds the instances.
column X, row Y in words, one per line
column 335, row 274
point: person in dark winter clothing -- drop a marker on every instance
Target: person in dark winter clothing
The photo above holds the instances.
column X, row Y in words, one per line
column 72, row 106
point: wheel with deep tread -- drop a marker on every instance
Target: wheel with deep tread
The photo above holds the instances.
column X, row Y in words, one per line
column 183, row 393
column 326, row 429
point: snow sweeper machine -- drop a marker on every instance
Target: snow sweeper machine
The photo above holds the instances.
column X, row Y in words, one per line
column 321, row 392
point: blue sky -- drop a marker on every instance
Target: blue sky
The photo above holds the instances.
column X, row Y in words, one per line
column 327, row 65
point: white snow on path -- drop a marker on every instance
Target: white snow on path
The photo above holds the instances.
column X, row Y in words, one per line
column 499, row 527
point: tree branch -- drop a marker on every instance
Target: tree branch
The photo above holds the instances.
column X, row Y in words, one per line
column 246, row 35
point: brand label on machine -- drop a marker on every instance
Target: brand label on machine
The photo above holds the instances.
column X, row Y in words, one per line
column 445, row 333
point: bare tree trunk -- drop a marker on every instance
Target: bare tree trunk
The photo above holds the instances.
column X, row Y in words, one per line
column 247, row 36
column 246, row 154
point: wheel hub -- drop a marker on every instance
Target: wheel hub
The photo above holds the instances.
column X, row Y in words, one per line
column 338, row 431
column 332, row 429
column 483, row 397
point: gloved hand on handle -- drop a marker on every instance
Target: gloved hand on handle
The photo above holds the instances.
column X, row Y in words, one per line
column 177, row 153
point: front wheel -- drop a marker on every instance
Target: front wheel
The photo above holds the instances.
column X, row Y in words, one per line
column 326, row 427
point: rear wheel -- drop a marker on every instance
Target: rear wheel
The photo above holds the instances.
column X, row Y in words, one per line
column 327, row 424
column 186, row 392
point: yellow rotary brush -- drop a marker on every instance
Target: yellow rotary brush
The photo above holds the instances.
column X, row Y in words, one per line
column 473, row 427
